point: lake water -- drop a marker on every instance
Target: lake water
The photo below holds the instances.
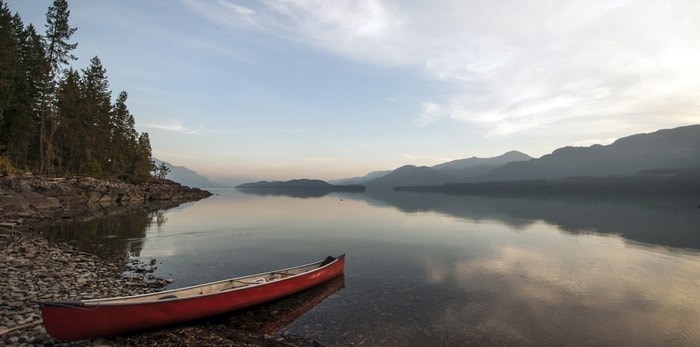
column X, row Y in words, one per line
column 431, row 269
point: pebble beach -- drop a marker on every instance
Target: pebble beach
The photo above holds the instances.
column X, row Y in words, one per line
column 35, row 269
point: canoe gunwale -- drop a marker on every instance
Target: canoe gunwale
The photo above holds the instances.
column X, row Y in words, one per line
column 120, row 301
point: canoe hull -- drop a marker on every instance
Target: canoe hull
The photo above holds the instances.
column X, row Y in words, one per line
column 67, row 322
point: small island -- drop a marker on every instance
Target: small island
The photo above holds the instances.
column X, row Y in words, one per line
column 298, row 188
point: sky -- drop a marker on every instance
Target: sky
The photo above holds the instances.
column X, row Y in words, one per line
column 284, row 89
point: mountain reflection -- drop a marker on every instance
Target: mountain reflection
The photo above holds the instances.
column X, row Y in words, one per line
column 659, row 220
column 292, row 193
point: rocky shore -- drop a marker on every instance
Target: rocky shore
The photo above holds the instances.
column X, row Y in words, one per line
column 34, row 269
column 27, row 201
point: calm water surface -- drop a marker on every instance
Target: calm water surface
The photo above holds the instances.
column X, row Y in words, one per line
column 430, row 269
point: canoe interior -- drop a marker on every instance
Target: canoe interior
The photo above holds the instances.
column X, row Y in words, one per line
column 213, row 287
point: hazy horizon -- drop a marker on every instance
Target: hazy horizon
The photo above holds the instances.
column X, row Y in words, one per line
column 278, row 90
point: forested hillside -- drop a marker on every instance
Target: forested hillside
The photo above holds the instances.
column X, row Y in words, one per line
column 55, row 120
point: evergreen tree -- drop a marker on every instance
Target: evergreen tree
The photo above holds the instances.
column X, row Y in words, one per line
column 95, row 108
column 8, row 59
column 142, row 163
column 161, row 171
column 62, row 121
column 124, row 137
column 72, row 127
column 58, row 32
column 27, row 85
column 8, row 66
column 58, row 53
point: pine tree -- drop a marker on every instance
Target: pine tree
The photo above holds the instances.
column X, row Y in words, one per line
column 72, row 127
column 142, row 163
column 27, row 85
column 8, row 57
column 8, row 67
column 58, row 53
column 161, row 171
column 124, row 137
column 62, row 121
column 95, row 108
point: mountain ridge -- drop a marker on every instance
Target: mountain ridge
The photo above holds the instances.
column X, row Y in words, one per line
column 185, row 176
column 677, row 148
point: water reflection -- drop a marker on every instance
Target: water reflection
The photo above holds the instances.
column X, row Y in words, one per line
column 589, row 296
column 116, row 235
column 533, row 287
column 270, row 317
column 294, row 193
column 660, row 220
column 666, row 220
column 430, row 269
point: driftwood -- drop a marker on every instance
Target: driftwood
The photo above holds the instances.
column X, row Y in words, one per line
column 19, row 327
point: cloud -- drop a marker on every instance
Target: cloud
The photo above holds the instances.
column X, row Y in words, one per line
column 514, row 66
column 174, row 126
column 241, row 10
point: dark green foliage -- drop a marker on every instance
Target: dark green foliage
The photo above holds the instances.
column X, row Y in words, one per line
column 8, row 58
column 161, row 171
column 124, row 137
column 58, row 32
column 57, row 121
column 141, row 162
column 96, row 107
column 72, row 130
column 26, row 82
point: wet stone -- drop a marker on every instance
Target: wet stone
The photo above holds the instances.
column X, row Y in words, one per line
column 72, row 276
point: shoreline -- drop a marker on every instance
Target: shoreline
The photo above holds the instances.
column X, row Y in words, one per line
column 28, row 202
column 36, row 269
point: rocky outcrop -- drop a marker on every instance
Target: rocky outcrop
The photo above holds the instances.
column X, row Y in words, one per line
column 30, row 198
column 172, row 191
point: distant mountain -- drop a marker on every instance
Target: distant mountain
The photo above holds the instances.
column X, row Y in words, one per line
column 453, row 171
column 649, row 182
column 475, row 161
column 474, row 167
column 410, row 175
column 360, row 180
column 229, row 181
column 677, row 148
column 185, row 176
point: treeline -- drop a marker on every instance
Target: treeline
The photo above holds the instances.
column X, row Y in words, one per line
column 652, row 182
column 55, row 120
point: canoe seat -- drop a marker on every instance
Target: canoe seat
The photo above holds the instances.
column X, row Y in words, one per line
column 327, row 261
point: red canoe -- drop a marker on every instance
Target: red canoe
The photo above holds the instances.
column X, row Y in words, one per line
column 76, row 320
